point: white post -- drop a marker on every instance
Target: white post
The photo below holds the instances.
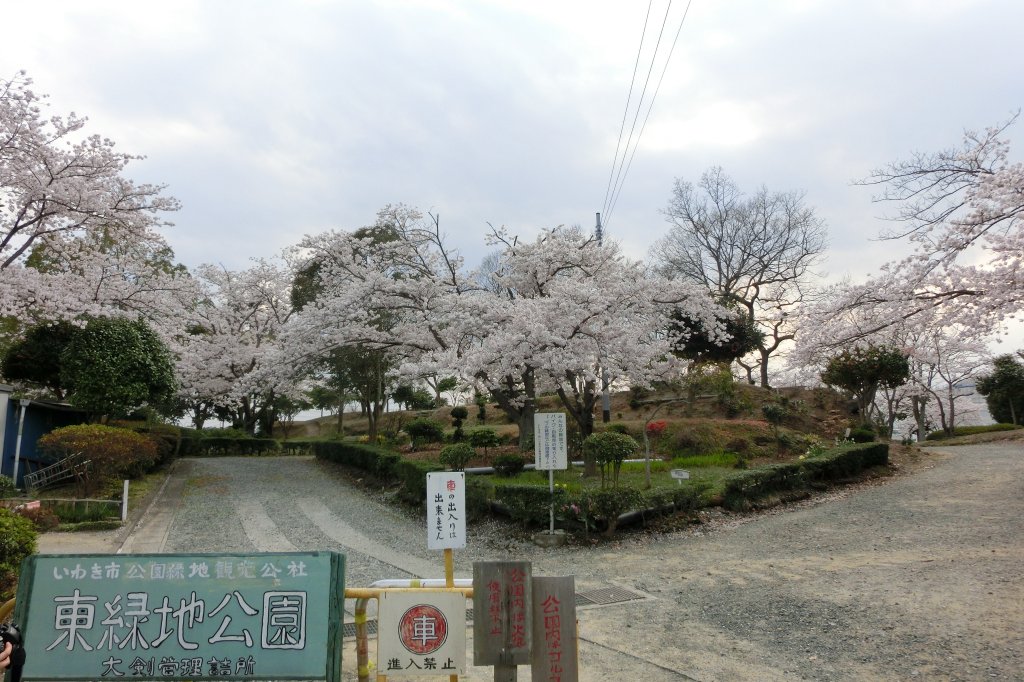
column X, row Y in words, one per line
column 124, row 503
column 551, row 488
column 17, row 445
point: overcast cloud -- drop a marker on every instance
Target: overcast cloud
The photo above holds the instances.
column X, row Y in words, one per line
column 269, row 120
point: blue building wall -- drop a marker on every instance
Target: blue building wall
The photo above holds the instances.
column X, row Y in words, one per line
column 40, row 418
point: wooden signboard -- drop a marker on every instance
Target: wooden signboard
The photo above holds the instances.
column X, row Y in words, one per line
column 554, row 656
column 187, row 616
column 502, row 622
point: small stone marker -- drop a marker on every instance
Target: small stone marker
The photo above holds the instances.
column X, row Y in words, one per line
column 502, row 623
column 554, row 630
column 421, row 633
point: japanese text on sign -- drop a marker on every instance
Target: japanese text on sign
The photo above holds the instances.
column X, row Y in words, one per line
column 446, row 510
column 549, row 441
column 252, row 617
column 421, row 634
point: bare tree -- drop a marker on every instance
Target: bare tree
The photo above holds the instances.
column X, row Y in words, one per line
column 757, row 251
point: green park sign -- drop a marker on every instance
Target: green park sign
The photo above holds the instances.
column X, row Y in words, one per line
column 188, row 616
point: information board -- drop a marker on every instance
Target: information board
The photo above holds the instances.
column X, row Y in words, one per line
column 446, row 510
column 502, row 620
column 190, row 616
column 421, row 633
column 549, row 441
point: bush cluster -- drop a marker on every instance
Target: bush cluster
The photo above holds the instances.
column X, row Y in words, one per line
column 423, row 430
column 969, row 430
column 114, row 453
column 589, row 510
column 745, row 489
column 228, row 446
column 17, row 541
column 457, row 455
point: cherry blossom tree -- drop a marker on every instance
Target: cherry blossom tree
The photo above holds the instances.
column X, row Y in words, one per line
column 961, row 209
column 76, row 235
column 566, row 309
column 226, row 339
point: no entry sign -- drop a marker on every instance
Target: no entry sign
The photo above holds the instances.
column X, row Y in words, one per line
column 421, row 633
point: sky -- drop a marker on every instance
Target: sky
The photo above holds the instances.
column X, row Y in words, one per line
column 271, row 120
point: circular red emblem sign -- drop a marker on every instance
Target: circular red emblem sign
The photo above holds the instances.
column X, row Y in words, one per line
column 423, row 629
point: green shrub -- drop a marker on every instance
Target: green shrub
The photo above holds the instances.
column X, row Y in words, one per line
column 970, row 430
column 508, row 466
column 616, row 427
column 78, row 511
column 7, row 487
column 608, row 449
column 457, row 456
column 114, row 453
column 862, row 434
column 746, row 489
column 423, row 430
column 608, row 504
column 529, row 505
column 483, row 437
column 459, row 414
column 376, row 461
column 17, row 541
column 413, row 477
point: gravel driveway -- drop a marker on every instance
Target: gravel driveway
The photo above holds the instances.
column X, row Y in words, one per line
column 918, row 577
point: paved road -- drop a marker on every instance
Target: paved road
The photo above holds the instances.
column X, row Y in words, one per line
column 917, row 578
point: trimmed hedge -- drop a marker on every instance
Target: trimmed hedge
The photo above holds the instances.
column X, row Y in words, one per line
column 745, row 489
column 411, row 475
column 594, row 509
column 376, row 461
column 226, row 446
column 970, row 430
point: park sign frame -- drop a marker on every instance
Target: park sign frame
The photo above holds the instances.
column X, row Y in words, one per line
column 550, row 447
column 261, row 616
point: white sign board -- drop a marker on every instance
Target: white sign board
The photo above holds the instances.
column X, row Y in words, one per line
column 446, row 510
column 549, row 441
column 681, row 474
column 421, row 633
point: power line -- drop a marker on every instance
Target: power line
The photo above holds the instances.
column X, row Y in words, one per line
column 616, row 193
column 625, row 112
column 640, row 102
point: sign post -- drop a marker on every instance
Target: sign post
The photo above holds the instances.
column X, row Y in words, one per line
column 190, row 616
column 555, row 649
column 550, row 451
column 446, row 526
column 421, row 633
column 502, row 620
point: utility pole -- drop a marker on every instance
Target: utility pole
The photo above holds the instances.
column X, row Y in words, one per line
column 606, row 399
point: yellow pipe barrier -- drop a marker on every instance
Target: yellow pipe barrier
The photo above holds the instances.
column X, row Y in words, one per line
column 363, row 596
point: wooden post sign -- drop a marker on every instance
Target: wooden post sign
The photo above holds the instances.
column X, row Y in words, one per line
column 554, row 656
column 188, row 616
column 502, row 621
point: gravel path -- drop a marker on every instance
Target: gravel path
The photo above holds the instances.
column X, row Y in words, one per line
column 915, row 578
